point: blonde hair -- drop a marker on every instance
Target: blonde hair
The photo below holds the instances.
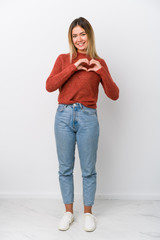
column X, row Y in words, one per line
column 91, row 49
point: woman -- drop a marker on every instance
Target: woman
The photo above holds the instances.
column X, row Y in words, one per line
column 77, row 76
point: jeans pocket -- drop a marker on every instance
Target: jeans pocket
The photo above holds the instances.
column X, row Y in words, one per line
column 61, row 108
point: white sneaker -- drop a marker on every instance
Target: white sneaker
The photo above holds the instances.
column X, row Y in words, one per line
column 66, row 220
column 89, row 222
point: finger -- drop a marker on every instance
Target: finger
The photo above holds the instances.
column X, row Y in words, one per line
column 93, row 61
column 91, row 69
column 85, row 60
column 80, row 61
column 83, row 68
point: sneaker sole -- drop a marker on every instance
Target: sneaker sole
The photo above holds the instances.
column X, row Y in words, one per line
column 89, row 230
column 64, row 229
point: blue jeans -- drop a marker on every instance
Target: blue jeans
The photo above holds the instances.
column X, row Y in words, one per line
column 77, row 123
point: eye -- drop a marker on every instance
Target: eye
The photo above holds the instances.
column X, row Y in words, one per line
column 83, row 34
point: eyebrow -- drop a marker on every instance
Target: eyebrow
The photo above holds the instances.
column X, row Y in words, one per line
column 80, row 33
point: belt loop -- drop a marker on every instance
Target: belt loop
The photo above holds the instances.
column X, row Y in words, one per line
column 81, row 105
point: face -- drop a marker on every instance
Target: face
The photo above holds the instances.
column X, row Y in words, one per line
column 80, row 39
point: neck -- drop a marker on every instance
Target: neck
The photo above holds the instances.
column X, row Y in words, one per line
column 81, row 52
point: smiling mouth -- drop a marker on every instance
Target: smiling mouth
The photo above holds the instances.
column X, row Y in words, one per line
column 81, row 44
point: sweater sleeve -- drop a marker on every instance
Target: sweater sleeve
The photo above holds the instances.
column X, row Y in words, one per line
column 58, row 76
column 109, row 86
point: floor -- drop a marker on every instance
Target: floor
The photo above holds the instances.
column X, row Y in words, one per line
column 116, row 220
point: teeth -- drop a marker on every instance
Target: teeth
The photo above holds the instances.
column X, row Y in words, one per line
column 80, row 44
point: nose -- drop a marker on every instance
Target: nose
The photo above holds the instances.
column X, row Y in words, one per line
column 79, row 38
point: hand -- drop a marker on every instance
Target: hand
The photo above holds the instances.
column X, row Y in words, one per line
column 85, row 64
column 96, row 66
column 80, row 62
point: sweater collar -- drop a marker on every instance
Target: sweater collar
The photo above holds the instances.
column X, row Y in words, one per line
column 79, row 54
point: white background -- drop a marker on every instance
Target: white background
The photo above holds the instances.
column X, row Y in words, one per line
column 33, row 33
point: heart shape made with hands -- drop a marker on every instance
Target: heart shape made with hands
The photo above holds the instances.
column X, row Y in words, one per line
column 88, row 66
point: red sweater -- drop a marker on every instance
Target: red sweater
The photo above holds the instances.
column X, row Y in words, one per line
column 79, row 85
